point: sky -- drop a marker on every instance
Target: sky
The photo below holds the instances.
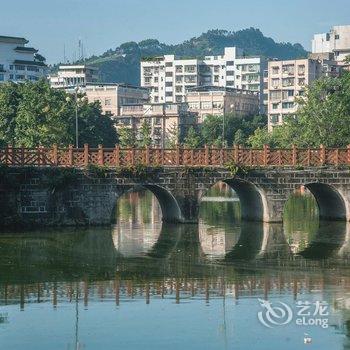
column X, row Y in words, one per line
column 52, row 25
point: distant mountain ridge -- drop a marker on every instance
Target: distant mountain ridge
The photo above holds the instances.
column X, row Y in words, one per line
column 123, row 63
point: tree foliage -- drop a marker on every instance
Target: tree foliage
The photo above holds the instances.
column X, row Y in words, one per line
column 145, row 135
column 323, row 118
column 192, row 139
column 33, row 114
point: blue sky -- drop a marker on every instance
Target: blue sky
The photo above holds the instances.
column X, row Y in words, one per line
column 52, row 24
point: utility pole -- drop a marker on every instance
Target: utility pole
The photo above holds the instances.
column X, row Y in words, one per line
column 76, row 118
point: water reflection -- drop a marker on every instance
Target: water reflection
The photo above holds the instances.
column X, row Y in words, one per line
column 141, row 284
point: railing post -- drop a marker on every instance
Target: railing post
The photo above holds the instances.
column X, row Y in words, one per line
column 54, row 154
column 294, row 155
column 86, row 154
column 70, row 155
column 337, row 157
column 206, row 155
column 100, row 155
column 192, row 157
column 178, row 155
column 22, row 155
column 308, row 160
column 322, row 155
column 38, row 150
column 236, row 154
column 348, row 154
column 147, row 156
column 132, row 156
column 266, row 155
column 117, row 155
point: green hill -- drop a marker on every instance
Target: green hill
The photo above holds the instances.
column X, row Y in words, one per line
column 123, row 63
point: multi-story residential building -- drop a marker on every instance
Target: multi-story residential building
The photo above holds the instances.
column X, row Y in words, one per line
column 74, row 75
column 113, row 96
column 336, row 41
column 165, row 120
column 286, row 82
column 168, row 78
column 19, row 62
column 206, row 100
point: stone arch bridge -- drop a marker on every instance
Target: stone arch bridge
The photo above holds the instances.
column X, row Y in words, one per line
column 44, row 197
column 81, row 186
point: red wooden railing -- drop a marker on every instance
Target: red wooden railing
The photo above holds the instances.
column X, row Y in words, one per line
column 208, row 156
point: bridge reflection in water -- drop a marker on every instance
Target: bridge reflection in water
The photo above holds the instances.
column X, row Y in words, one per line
column 141, row 260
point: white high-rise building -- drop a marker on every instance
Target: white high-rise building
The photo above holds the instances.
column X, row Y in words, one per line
column 336, row 41
column 168, row 78
column 19, row 62
column 71, row 75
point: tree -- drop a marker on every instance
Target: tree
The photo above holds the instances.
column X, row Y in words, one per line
column 33, row 114
column 192, row 139
column 172, row 136
column 145, row 138
column 323, row 116
column 127, row 137
column 211, row 129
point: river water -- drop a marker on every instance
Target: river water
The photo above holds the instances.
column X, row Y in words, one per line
column 221, row 284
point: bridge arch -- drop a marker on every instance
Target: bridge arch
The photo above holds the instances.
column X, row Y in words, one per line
column 331, row 203
column 252, row 199
column 171, row 211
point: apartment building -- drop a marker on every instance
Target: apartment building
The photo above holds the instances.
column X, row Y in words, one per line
column 164, row 119
column 19, row 62
column 336, row 41
column 286, row 81
column 113, row 96
column 74, row 75
column 206, row 100
column 168, row 78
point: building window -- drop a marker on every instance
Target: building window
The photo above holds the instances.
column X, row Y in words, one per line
column 230, row 83
column 168, row 94
column 178, row 98
column 193, row 105
column 2, row 77
column 156, row 79
column 108, row 102
column 288, row 68
column 301, row 69
column 168, row 74
column 275, row 105
column 337, row 37
column 301, row 81
column 178, row 88
column 20, row 67
column 230, row 73
column 179, row 69
column 168, row 64
column 179, row 79
column 156, row 99
column 275, row 83
column 275, row 70
column 147, row 80
column 20, row 77
column 206, row 105
column 287, row 105
column 274, row 118
column 168, row 83
column 288, row 82
column 216, row 78
column 190, row 69
column 275, row 95
column 230, row 63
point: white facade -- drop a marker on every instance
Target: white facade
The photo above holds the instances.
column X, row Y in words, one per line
column 19, row 62
column 337, row 41
column 286, row 82
column 74, row 75
column 169, row 78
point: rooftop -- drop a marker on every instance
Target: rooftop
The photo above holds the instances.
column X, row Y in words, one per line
column 13, row 40
column 211, row 88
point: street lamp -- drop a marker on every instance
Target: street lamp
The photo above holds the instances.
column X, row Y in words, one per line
column 77, row 90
